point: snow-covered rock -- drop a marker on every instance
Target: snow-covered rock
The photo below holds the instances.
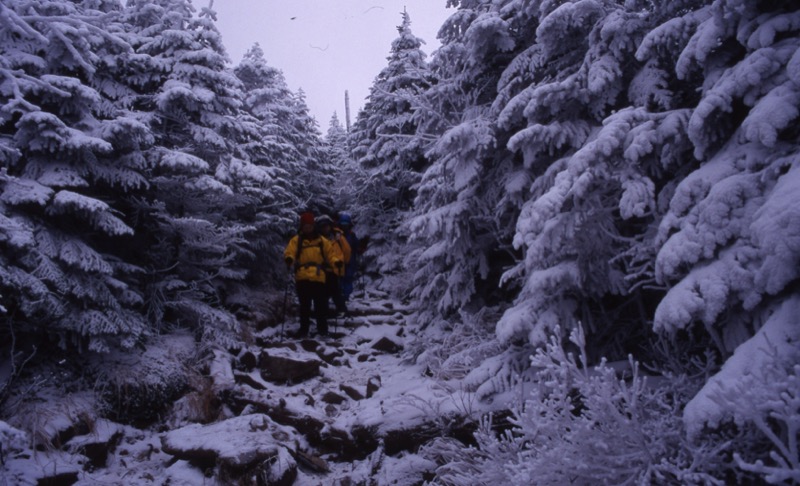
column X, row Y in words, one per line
column 98, row 444
column 249, row 444
column 283, row 368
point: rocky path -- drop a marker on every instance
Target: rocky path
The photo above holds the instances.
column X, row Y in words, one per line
column 336, row 411
column 342, row 407
column 351, row 399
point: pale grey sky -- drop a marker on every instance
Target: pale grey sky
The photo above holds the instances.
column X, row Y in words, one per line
column 326, row 46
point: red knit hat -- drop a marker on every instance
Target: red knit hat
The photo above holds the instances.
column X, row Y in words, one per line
column 307, row 218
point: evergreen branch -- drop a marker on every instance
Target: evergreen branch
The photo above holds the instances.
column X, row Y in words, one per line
column 21, row 75
column 81, row 22
column 22, row 24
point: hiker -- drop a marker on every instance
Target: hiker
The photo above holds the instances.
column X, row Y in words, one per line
column 350, row 268
column 308, row 253
column 332, row 275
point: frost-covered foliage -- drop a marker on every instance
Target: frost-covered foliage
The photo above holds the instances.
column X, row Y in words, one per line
column 198, row 184
column 590, row 154
column 630, row 165
column 13, row 440
column 585, row 426
column 65, row 151
column 271, row 144
column 338, row 154
column 348, row 193
column 288, row 139
column 138, row 186
column 759, row 387
column 386, row 144
column 315, row 178
column 454, row 227
column 138, row 387
column 728, row 245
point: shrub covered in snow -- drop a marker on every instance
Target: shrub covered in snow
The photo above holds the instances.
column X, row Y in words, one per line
column 586, row 426
column 139, row 388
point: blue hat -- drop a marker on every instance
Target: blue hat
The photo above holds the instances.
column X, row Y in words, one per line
column 345, row 219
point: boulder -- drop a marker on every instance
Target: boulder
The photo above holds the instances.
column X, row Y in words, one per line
column 351, row 392
column 248, row 361
column 333, row 397
column 243, row 378
column 220, row 371
column 53, row 423
column 329, row 354
column 320, row 435
column 99, row 444
column 282, row 369
column 239, row 447
column 309, row 345
column 271, row 343
column 386, row 345
column 408, row 439
column 58, row 479
column 312, row 462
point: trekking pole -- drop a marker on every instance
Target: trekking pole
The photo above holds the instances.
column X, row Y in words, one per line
column 341, row 299
column 285, row 301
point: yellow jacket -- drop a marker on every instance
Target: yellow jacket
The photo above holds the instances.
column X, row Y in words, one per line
column 316, row 254
column 341, row 245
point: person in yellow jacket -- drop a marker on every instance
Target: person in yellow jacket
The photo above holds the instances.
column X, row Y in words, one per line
column 334, row 274
column 309, row 254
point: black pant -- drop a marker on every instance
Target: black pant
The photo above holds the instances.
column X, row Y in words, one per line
column 308, row 292
column 334, row 290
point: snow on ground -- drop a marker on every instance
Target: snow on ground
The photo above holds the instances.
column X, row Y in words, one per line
column 357, row 380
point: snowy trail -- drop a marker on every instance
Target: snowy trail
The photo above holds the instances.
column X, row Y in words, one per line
column 365, row 401
column 337, row 411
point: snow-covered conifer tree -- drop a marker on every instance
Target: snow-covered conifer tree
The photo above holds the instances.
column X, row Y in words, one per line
column 653, row 150
column 316, row 174
column 336, row 148
column 67, row 152
column 348, row 172
column 267, row 111
column 385, row 140
column 572, row 147
column 728, row 244
column 197, row 241
column 290, row 139
column 270, row 101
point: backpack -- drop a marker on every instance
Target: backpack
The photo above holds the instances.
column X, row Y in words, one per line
column 300, row 250
column 344, row 245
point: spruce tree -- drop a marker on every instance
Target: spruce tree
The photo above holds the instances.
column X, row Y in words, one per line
column 267, row 110
column 67, row 150
column 316, row 179
column 385, row 142
column 348, row 171
column 195, row 242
